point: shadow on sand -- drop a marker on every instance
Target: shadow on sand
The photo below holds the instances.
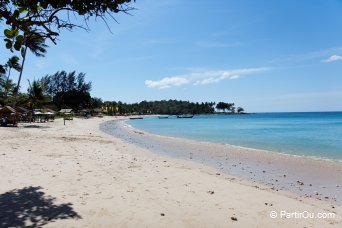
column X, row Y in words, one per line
column 30, row 207
column 36, row 126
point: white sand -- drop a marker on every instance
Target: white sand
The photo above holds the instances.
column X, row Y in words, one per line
column 109, row 183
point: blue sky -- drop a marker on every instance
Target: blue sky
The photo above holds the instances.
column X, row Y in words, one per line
column 263, row 55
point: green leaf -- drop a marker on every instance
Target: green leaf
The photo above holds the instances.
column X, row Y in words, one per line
column 20, row 38
column 22, row 10
column 10, row 33
column 16, row 13
column 7, row 33
column 17, row 45
column 9, row 45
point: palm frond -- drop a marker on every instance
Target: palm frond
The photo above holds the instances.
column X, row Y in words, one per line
column 36, row 44
column 2, row 70
column 13, row 62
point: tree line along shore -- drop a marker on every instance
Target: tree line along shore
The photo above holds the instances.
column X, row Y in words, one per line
column 63, row 90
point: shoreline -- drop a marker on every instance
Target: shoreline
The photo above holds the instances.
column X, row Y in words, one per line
column 78, row 176
column 307, row 177
column 242, row 147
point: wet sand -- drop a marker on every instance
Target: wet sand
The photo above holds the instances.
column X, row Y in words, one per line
column 307, row 177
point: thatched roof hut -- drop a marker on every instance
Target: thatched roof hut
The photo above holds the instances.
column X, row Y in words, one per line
column 8, row 115
column 7, row 110
column 22, row 110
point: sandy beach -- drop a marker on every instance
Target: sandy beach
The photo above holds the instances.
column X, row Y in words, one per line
column 78, row 176
column 308, row 177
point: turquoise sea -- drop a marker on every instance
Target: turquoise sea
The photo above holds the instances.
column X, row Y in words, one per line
column 314, row 134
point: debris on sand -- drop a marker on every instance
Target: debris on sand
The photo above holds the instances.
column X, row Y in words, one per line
column 300, row 182
column 233, row 218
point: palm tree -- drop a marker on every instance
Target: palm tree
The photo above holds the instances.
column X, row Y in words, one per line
column 2, row 75
column 2, row 80
column 37, row 46
column 6, row 87
column 13, row 62
column 240, row 110
column 221, row 106
column 35, row 93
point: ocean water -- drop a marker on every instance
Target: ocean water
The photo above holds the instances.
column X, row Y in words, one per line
column 313, row 134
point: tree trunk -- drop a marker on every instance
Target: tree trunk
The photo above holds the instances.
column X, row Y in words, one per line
column 6, row 89
column 9, row 73
column 21, row 71
column 16, row 91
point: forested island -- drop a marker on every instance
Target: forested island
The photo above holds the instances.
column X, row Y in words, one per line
column 171, row 107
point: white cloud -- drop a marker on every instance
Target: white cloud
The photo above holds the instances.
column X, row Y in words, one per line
column 332, row 58
column 167, row 82
column 215, row 79
column 211, row 77
column 234, row 77
column 202, row 77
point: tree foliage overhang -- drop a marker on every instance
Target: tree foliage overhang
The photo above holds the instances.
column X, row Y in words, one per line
column 47, row 18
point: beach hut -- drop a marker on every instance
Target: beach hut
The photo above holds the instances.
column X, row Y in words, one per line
column 65, row 111
column 97, row 112
column 49, row 114
column 84, row 113
column 24, row 113
column 21, row 110
column 67, row 114
column 7, row 110
column 8, row 115
column 38, row 115
column 37, row 112
column 47, row 110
